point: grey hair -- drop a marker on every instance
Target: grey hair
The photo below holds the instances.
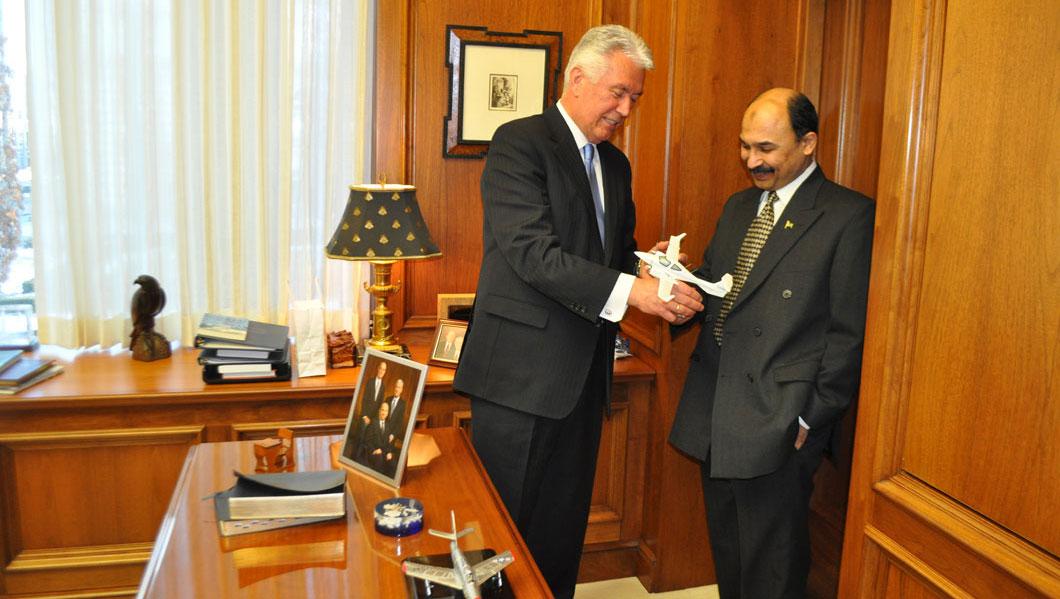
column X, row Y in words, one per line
column 592, row 50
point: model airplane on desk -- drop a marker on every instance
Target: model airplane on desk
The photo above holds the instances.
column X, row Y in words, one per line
column 462, row 576
column 667, row 268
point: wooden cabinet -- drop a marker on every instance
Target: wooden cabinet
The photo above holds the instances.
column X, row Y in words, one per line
column 89, row 460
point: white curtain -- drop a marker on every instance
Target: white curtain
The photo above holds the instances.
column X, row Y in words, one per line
column 209, row 144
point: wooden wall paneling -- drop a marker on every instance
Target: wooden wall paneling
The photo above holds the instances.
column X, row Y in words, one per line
column 393, row 82
column 849, row 100
column 718, row 57
column 957, row 454
column 448, row 189
column 1012, row 331
column 47, row 540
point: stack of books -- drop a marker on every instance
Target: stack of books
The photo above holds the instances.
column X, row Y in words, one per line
column 18, row 373
column 259, row 502
column 238, row 350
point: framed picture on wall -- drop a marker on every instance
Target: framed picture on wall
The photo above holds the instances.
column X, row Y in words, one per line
column 382, row 416
column 495, row 78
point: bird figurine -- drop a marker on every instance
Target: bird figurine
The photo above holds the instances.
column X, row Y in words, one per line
column 147, row 302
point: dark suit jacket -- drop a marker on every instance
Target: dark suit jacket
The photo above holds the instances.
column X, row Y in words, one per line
column 396, row 419
column 374, row 392
column 376, row 437
column 793, row 340
column 545, row 277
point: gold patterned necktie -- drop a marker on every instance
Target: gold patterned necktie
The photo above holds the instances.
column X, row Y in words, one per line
column 752, row 245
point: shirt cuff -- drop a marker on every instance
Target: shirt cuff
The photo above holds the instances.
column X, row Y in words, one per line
column 803, row 423
column 617, row 302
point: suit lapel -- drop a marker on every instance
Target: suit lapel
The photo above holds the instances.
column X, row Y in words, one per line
column 571, row 159
column 796, row 219
column 612, row 193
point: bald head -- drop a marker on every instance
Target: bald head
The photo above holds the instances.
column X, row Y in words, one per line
column 778, row 137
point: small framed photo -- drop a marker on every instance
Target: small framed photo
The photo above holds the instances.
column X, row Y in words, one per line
column 455, row 306
column 447, row 343
column 383, row 416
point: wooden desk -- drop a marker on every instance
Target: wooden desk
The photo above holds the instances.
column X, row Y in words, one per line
column 344, row 558
column 89, row 459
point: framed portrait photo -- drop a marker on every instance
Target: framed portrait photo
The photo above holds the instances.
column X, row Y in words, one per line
column 455, row 306
column 494, row 78
column 448, row 341
column 383, row 416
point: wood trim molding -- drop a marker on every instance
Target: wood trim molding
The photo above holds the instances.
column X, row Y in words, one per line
column 810, row 47
column 914, row 565
column 978, row 535
column 849, row 91
column 910, row 111
column 31, row 560
column 103, row 438
column 302, row 428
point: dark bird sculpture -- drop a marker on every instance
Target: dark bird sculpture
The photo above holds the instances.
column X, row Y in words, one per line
column 147, row 302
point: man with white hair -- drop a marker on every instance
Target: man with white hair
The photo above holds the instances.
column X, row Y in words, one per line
column 558, row 272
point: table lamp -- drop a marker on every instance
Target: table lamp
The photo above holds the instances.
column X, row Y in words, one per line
column 382, row 224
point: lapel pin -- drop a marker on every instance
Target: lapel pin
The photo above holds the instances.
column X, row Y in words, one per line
column 789, row 225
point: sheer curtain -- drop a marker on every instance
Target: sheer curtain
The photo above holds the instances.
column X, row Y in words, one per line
column 208, row 144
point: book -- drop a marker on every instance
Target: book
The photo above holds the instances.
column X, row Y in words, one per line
column 23, row 370
column 52, row 370
column 283, row 495
column 276, row 371
column 219, row 326
column 230, row 528
column 9, row 357
column 259, row 335
column 244, row 356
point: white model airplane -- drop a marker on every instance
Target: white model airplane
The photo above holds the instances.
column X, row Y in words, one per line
column 667, row 268
column 462, row 576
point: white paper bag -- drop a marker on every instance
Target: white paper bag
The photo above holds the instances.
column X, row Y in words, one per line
column 307, row 325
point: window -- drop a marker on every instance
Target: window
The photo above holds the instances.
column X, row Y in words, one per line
column 17, row 321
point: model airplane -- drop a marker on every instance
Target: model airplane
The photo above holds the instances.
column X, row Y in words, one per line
column 667, row 268
column 462, row 576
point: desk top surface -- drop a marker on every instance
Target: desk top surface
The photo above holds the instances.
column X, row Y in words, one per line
column 94, row 378
column 340, row 558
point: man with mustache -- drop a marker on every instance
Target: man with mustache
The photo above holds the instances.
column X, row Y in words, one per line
column 778, row 358
column 558, row 272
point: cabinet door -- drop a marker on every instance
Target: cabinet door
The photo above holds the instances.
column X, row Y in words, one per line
column 957, row 461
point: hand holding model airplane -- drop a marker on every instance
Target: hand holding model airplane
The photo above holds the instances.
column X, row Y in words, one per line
column 667, row 268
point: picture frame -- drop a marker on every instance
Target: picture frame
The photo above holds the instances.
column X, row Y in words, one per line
column 451, row 304
column 448, row 341
column 378, row 445
column 496, row 77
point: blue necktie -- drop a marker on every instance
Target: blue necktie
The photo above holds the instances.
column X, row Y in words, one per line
column 598, row 201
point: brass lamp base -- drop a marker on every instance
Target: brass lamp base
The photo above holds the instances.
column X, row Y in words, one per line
column 382, row 331
column 400, row 350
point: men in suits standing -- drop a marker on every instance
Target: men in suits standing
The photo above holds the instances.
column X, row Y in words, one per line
column 778, row 359
column 374, row 392
column 556, row 277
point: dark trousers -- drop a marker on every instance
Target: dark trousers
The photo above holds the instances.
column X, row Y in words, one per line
column 543, row 470
column 758, row 527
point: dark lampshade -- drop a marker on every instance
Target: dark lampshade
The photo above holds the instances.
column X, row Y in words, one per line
column 382, row 223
